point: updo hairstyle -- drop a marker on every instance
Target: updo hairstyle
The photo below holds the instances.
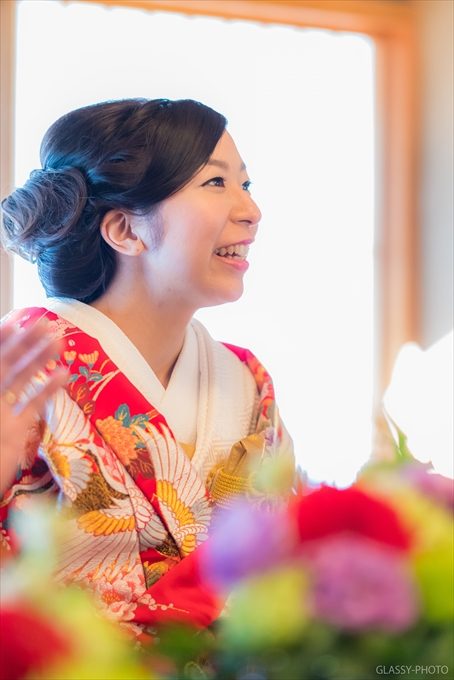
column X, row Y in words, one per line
column 129, row 154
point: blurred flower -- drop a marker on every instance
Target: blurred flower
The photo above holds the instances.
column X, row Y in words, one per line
column 422, row 501
column 28, row 641
column 244, row 541
column 420, row 398
column 269, row 609
column 440, row 489
column 329, row 511
column 358, row 583
column 275, row 475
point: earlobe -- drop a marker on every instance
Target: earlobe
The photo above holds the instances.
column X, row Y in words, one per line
column 116, row 230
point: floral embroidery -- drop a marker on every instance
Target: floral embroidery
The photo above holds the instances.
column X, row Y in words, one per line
column 61, row 464
column 122, row 433
column 120, row 438
column 69, row 356
column 89, row 359
column 117, row 598
column 136, row 504
column 5, row 540
column 82, row 396
column 59, row 327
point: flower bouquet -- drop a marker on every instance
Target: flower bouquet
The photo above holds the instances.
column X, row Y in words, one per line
column 346, row 584
column 55, row 632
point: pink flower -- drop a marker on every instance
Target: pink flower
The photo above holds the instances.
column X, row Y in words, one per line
column 435, row 486
column 358, row 583
column 116, row 599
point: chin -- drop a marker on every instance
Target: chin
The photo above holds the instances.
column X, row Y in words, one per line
column 232, row 294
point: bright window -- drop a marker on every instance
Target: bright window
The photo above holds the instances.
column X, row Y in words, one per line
column 300, row 105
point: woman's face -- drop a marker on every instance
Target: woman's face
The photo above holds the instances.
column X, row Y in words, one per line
column 208, row 227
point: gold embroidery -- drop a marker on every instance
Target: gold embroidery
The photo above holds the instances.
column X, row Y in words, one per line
column 98, row 494
column 189, row 449
column 153, row 572
column 168, row 547
column 233, row 477
column 225, row 487
column 99, row 524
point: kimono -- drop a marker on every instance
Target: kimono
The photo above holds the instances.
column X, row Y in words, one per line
column 138, row 470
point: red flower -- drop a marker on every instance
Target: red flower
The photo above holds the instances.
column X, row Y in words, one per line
column 330, row 511
column 28, row 642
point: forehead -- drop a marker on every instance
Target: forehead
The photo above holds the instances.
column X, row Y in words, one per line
column 227, row 152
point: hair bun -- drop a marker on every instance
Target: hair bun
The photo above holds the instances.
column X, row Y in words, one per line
column 125, row 155
column 44, row 210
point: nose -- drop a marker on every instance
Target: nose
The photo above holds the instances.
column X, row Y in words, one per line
column 246, row 210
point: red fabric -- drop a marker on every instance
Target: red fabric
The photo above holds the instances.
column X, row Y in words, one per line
column 28, row 642
column 179, row 593
column 262, row 378
column 195, row 602
column 329, row 511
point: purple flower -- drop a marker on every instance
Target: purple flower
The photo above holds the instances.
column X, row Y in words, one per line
column 271, row 436
column 437, row 487
column 358, row 583
column 244, row 541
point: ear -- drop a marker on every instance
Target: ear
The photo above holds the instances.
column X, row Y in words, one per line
column 117, row 229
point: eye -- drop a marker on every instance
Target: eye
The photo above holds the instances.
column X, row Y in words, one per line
column 215, row 182
column 247, row 185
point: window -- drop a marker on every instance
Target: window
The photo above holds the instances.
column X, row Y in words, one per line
column 300, row 105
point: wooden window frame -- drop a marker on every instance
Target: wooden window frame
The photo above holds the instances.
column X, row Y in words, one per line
column 392, row 27
column 7, row 75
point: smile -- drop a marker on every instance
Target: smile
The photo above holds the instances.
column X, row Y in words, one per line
column 236, row 251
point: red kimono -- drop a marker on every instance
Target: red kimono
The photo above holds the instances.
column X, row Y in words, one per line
column 136, row 508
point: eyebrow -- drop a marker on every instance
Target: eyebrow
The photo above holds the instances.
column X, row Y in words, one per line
column 223, row 164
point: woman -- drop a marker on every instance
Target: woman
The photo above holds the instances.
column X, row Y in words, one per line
column 140, row 215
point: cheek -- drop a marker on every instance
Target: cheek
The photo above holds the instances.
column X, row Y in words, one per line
column 190, row 237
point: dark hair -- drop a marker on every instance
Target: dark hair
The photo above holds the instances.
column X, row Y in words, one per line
column 128, row 154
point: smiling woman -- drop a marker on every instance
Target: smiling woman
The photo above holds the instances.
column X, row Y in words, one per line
column 158, row 425
column 300, row 105
column 216, row 218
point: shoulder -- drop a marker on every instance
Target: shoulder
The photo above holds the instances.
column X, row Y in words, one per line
column 29, row 316
column 259, row 372
column 235, row 354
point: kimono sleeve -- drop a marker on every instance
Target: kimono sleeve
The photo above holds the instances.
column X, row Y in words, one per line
column 33, row 478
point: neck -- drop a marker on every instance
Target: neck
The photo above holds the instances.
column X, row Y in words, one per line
column 156, row 329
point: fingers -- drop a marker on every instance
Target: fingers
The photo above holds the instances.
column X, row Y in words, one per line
column 34, row 405
column 17, row 375
column 23, row 354
column 14, row 342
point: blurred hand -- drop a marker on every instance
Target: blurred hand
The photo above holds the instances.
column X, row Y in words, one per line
column 22, row 355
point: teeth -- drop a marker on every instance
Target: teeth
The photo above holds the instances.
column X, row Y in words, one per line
column 238, row 250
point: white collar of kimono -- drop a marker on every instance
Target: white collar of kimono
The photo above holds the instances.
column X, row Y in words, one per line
column 178, row 403
column 211, row 397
